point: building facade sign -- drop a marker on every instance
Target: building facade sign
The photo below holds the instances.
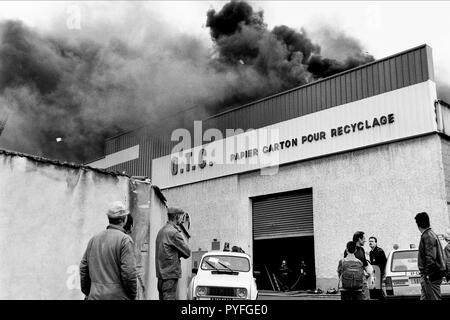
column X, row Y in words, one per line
column 395, row 115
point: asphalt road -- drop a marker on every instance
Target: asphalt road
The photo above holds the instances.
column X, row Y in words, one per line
column 296, row 295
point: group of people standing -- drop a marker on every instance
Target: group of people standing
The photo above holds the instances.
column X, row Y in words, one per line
column 108, row 267
column 354, row 271
column 433, row 263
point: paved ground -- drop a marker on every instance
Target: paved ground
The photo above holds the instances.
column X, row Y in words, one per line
column 296, row 295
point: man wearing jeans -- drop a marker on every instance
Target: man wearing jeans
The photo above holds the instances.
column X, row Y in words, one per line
column 170, row 246
column 377, row 258
column 430, row 260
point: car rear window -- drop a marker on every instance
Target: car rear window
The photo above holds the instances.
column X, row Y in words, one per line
column 404, row 261
column 225, row 263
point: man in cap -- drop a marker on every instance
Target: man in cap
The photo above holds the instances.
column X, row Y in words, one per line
column 108, row 267
column 170, row 246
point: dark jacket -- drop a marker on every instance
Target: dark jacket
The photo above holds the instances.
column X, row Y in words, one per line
column 430, row 259
column 360, row 254
column 378, row 258
column 170, row 246
column 108, row 267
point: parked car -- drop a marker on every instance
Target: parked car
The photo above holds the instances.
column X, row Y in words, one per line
column 223, row 275
column 402, row 279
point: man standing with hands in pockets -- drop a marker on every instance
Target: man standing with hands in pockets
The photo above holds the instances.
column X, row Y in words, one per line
column 430, row 260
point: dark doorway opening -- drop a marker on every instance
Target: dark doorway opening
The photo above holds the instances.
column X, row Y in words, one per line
column 298, row 273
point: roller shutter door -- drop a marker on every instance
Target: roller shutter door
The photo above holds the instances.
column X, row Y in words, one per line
column 283, row 215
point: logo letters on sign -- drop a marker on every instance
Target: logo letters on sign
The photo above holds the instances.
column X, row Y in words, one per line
column 73, row 280
column 174, row 164
column 74, row 19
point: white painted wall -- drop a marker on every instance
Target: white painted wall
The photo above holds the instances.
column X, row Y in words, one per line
column 48, row 213
column 377, row 190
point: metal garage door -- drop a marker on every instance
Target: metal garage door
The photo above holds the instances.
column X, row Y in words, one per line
column 283, row 215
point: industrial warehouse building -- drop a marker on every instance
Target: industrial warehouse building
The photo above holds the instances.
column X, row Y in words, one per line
column 365, row 149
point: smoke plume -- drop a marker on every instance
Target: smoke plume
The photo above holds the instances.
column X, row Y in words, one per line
column 83, row 86
column 284, row 56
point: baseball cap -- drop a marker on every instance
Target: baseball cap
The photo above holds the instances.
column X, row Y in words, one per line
column 117, row 209
column 174, row 211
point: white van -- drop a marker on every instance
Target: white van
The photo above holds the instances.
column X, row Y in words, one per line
column 402, row 279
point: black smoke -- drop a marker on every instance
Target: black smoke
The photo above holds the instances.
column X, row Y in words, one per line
column 52, row 89
column 107, row 78
column 286, row 57
column 88, row 87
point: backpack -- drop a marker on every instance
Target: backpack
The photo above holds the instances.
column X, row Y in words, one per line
column 352, row 275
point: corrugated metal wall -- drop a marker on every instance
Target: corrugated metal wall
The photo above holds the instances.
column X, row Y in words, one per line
column 403, row 69
column 121, row 142
column 395, row 72
column 149, row 148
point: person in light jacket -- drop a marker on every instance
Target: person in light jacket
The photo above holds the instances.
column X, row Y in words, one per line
column 108, row 266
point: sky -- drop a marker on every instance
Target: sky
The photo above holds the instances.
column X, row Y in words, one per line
column 382, row 27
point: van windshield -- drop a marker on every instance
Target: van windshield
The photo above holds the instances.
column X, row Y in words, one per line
column 404, row 261
column 226, row 263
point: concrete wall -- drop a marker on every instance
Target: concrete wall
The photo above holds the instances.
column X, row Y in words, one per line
column 157, row 221
column 377, row 190
column 48, row 213
column 445, row 145
column 140, row 193
column 149, row 213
